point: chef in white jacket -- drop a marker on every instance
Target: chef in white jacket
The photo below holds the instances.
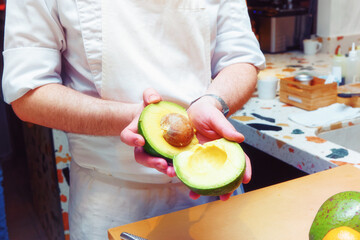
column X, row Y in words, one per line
column 89, row 67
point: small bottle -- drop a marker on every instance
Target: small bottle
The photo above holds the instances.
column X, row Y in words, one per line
column 358, row 54
column 352, row 66
column 358, row 50
column 339, row 61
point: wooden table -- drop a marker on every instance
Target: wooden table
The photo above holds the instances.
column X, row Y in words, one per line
column 282, row 211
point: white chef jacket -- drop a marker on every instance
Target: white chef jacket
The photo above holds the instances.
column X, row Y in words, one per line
column 51, row 41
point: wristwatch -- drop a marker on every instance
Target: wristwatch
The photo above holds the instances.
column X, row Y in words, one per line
column 225, row 109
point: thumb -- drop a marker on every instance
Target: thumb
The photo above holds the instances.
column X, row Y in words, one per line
column 150, row 95
column 224, row 128
column 130, row 136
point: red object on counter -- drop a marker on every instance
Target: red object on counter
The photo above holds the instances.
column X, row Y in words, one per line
column 2, row 5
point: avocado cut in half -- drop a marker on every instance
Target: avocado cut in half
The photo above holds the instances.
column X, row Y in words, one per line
column 341, row 209
column 166, row 129
column 213, row 169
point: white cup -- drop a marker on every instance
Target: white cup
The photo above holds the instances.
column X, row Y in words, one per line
column 311, row 47
column 267, row 87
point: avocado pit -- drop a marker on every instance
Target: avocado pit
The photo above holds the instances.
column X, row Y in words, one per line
column 177, row 129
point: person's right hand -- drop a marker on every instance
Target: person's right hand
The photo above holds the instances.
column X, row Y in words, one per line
column 131, row 137
column 211, row 124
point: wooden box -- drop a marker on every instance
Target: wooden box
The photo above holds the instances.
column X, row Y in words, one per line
column 310, row 96
column 350, row 88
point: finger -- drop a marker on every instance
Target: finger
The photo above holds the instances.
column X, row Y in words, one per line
column 224, row 128
column 194, row 195
column 130, row 135
column 248, row 170
column 159, row 164
column 151, row 96
column 225, row 197
column 206, row 136
column 147, row 160
column 170, row 171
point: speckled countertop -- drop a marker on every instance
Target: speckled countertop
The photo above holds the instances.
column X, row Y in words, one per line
column 266, row 126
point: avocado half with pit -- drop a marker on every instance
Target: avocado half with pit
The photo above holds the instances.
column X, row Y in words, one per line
column 214, row 168
column 166, row 129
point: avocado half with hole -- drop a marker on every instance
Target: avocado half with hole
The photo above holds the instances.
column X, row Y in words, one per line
column 214, row 168
column 166, row 129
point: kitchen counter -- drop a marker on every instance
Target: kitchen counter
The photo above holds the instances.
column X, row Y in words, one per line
column 281, row 211
column 266, row 126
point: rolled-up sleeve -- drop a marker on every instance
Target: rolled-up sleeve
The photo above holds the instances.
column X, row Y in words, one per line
column 235, row 40
column 33, row 44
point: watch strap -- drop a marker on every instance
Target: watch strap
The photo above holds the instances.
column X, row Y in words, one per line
column 225, row 109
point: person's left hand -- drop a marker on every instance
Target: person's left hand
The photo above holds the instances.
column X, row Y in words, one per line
column 131, row 137
column 211, row 124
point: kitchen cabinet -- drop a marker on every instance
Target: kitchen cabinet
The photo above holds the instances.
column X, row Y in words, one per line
column 45, row 180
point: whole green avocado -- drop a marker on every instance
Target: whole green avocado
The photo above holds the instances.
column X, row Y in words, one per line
column 341, row 209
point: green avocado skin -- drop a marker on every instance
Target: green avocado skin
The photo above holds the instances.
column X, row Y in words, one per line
column 150, row 150
column 341, row 209
column 220, row 190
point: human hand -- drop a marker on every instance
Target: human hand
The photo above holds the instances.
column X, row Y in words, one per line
column 131, row 137
column 211, row 124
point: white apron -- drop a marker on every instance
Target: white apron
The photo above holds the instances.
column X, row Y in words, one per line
column 163, row 44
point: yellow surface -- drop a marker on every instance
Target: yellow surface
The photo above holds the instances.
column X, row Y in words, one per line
column 283, row 211
column 342, row 233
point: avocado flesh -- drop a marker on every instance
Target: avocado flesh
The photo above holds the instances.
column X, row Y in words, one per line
column 341, row 209
column 215, row 168
column 149, row 126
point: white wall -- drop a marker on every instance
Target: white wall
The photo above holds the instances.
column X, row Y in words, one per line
column 338, row 18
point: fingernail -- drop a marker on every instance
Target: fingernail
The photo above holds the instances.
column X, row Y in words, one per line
column 193, row 195
column 153, row 98
column 160, row 166
column 138, row 143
